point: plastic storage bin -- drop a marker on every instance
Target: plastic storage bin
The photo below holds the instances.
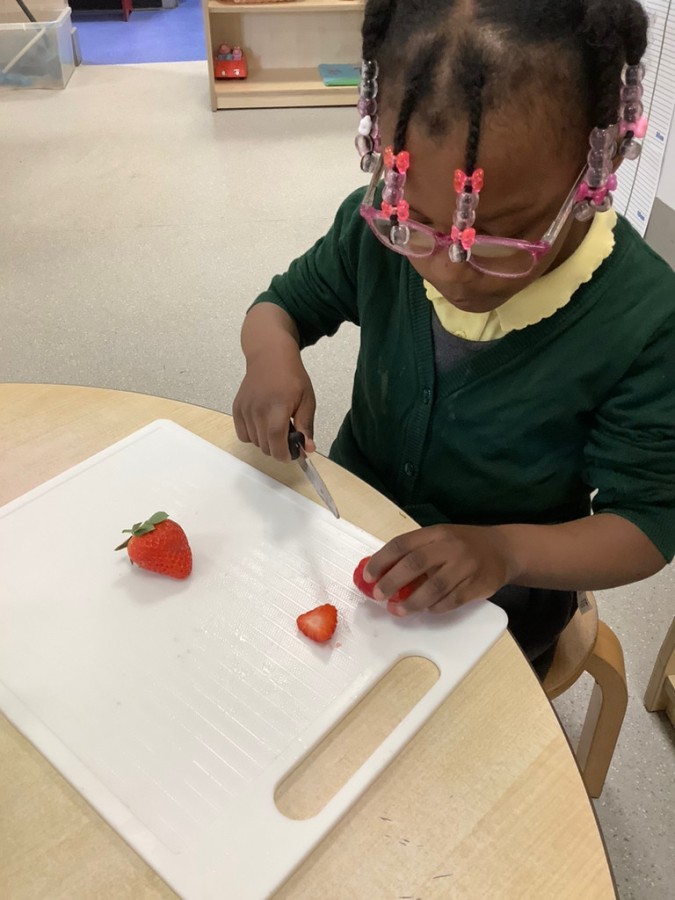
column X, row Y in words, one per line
column 36, row 54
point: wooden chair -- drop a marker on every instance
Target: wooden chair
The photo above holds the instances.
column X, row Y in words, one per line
column 660, row 693
column 589, row 645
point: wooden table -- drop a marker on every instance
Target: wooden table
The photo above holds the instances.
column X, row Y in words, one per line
column 485, row 802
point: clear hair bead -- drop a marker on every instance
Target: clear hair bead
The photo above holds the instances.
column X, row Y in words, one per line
column 369, row 68
column 467, row 203
column 369, row 162
column 634, row 74
column 601, row 138
column 395, row 179
column 630, row 93
column 392, row 195
column 464, row 220
column 633, row 111
column 584, row 211
column 369, row 88
column 458, row 254
column 363, row 143
column 399, row 235
column 630, row 149
column 596, row 178
column 605, row 205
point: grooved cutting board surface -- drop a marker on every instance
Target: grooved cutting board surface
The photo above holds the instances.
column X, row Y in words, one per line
column 176, row 707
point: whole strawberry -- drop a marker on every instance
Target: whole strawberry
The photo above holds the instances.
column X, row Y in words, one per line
column 159, row 545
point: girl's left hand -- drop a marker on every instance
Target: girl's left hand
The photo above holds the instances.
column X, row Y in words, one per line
column 461, row 563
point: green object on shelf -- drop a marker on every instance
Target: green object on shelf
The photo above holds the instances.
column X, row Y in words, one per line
column 339, row 74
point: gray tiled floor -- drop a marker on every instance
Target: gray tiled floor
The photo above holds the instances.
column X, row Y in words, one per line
column 135, row 229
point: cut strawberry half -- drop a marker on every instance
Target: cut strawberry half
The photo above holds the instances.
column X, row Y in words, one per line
column 366, row 587
column 319, row 624
column 402, row 595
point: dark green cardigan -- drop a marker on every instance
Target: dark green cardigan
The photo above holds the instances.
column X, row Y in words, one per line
column 523, row 431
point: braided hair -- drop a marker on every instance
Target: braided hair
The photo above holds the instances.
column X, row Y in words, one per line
column 440, row 57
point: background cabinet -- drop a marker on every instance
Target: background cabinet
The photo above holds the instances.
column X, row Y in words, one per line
column 284, row 43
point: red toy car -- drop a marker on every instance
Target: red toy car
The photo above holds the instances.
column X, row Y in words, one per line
column 229, row 62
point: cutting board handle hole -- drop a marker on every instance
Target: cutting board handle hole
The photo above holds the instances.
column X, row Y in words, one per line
column 316, row 779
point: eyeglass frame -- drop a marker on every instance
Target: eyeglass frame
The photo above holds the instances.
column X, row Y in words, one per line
column 536, row 249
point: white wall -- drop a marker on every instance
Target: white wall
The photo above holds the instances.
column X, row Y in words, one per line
column 666, row 189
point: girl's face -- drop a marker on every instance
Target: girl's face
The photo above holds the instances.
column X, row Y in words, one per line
column 528, row 176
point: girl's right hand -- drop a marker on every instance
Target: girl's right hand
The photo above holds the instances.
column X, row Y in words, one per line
column 275, row 390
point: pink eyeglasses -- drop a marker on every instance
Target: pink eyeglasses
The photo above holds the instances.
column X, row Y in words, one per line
column 503, row 257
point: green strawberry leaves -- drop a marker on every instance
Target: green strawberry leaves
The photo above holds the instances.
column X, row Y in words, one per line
column 141, row 528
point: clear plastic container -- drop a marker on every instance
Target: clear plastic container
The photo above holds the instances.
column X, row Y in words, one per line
column 36, row 54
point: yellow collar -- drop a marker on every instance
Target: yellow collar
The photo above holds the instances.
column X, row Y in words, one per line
column 538, row 300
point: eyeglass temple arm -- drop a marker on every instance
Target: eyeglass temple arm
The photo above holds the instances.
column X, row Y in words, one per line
column 552, row 234
column 370, row 193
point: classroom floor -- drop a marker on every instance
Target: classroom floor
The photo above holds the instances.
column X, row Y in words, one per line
column 151, row 35
column 136, row 228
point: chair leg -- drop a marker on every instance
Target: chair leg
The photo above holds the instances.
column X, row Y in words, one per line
column 606, row 710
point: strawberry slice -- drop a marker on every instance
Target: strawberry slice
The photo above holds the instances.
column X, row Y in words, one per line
column 366, row 587
column 319, row 624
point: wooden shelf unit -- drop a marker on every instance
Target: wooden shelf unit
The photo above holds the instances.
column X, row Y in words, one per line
column 284, row 44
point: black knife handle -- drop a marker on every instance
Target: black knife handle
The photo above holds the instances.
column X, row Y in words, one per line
column 296, row 440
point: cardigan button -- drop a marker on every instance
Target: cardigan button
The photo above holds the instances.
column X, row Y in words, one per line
column 409, row 469
column 426, row 396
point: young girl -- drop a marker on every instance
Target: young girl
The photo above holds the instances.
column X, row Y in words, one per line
column 517, row 336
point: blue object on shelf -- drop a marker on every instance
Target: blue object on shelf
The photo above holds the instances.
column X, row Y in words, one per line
column 340, row 74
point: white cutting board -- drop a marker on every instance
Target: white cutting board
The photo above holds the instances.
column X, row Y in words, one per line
column 176, row 707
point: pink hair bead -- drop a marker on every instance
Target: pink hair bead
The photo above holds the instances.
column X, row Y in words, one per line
column 401, row 210
column 467, row 237
column 639, row 127
column 467, row 183
column 402, row 161
column 399, row 160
